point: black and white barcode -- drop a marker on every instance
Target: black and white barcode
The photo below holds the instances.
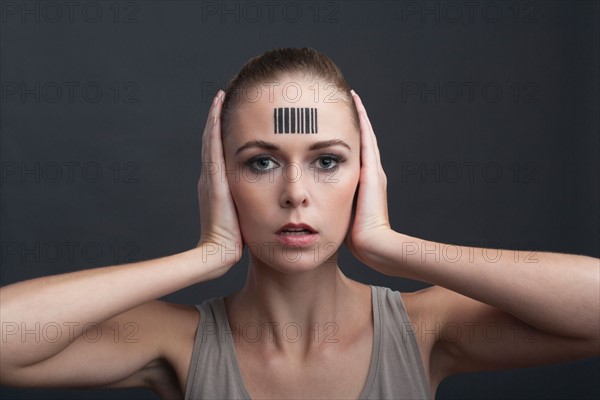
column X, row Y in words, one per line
column 295, row 120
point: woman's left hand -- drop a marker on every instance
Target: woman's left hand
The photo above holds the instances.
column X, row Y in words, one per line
column 370, row 225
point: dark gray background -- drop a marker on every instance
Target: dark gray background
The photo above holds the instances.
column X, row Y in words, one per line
column 532, row 116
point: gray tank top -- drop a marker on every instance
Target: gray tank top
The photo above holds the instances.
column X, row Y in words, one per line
column 396, row 370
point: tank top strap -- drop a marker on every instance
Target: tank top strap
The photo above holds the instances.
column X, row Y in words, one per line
column 400, row 373
column 212, row 374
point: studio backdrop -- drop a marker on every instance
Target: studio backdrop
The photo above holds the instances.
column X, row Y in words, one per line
column 486, row 114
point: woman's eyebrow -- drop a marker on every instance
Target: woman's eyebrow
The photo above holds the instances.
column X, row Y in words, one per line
column 272, row 146
column 327, row 143
column 257, row 143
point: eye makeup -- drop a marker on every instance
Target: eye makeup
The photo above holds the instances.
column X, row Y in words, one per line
column 295, row 120
column 254, row 163
column 334, row 159
column 257, row 163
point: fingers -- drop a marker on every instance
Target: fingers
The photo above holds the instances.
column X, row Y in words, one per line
column 213, row 159
column 211, row 138
column 370, row 153
column 216, row 145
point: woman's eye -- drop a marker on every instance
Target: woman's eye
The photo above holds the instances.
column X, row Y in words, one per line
column 266, row 163
column 261, row 163
column 328, row 162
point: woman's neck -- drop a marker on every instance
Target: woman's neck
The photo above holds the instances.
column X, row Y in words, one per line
column 293, row 313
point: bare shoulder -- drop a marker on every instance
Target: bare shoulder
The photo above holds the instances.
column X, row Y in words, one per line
column 457, row 338
column 422, row 308
column 167, row 321
column 178, row 323
column 174, row 327
column 435, row 308
column 178, row 319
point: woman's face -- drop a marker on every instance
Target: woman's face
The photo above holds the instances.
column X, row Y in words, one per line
column 298, row 178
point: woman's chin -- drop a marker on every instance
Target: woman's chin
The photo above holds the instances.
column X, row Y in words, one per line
column 291, row 260
column 292, row 268
column 294, row 258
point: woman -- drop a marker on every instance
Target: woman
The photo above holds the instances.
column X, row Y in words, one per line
column 291, row 170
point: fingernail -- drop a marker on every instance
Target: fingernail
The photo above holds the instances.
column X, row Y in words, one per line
column 353, row 92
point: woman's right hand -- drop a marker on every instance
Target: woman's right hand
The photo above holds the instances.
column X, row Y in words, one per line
column 219, row 225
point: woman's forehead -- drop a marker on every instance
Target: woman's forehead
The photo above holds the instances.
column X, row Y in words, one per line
column 287, row 118
column 291, row 89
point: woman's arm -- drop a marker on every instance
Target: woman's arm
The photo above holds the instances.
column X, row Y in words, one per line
column 557, row 293
column 543, row 309
column 79, row 299
column 43, row 319
column 554, row 292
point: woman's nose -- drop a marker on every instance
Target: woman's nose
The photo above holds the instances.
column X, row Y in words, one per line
column 294, row 191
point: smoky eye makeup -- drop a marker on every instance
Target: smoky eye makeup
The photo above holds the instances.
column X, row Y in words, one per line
column 262, row 163
column 329, row 162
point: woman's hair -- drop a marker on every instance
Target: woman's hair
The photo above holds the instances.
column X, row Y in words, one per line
column 265, row 69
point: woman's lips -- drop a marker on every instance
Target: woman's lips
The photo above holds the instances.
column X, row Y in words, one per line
column 296, row 235
column 296, row 239
column 296, row 227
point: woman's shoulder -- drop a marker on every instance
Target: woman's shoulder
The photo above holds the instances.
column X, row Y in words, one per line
column 178, row 324
column 415, row 306
column 176, row 318
column 168, row 310
column 169, row 323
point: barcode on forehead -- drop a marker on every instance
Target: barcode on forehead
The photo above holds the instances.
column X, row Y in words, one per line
column 295, row 120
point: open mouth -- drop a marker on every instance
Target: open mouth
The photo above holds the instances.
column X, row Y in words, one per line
column 296, row 229
column 286, row 232
column 296, row 235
